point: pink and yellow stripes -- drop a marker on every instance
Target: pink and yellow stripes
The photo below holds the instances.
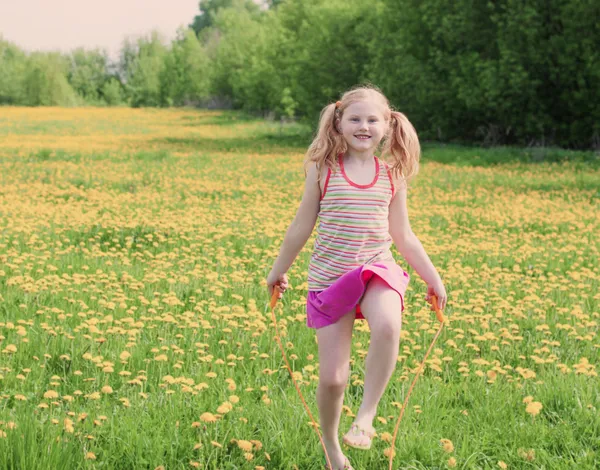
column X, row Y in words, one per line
column 353, row 225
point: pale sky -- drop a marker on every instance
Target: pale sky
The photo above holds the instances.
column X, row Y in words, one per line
column 64, row 25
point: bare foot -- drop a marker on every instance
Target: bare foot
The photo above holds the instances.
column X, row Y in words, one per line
column 337, row 458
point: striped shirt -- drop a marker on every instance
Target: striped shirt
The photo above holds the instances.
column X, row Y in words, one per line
column 353, row 225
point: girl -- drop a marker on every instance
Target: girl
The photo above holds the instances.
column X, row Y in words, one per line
column 360, row 201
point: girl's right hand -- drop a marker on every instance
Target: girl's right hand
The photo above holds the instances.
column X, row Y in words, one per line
column 279, row 280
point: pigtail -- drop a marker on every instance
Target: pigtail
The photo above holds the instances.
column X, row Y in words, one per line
column 329, row 142
column 403, row 145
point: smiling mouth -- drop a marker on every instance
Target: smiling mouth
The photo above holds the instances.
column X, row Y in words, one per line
column 362, row 137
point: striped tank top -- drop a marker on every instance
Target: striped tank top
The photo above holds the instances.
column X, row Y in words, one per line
column 353, row 225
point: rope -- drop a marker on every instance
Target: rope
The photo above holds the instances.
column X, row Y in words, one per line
column 441, row 319
column 315, row 425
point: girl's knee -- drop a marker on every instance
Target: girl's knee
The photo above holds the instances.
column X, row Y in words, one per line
column 382, row 307
column 387, row 329
column 334, row 382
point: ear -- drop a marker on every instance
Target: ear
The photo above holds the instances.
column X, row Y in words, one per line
column 338, row 126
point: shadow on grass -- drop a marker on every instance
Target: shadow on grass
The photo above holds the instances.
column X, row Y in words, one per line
column 262, row 144
column 482, row 156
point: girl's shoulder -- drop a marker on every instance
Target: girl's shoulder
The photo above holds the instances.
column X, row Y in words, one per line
column 395, row 177
column 318, row 173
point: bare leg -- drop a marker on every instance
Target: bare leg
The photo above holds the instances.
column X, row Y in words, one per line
column 382, row 308
column 334, row 368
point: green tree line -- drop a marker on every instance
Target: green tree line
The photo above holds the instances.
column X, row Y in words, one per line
column 523, row 72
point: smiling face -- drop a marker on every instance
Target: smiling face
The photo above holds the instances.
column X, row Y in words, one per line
column 363, row 126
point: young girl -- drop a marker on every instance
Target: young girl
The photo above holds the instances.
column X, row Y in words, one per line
column 360, row 201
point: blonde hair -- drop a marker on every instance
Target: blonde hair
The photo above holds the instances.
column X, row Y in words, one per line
column 400, row 140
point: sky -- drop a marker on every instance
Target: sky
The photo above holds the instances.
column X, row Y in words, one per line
column 50, row 25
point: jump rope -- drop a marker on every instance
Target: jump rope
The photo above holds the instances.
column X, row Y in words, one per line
column 439, row 315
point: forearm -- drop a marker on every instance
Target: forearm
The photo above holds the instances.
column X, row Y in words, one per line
column 294, row 240
column 413, row 252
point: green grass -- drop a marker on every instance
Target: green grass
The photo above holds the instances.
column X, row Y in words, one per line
column 157, row 242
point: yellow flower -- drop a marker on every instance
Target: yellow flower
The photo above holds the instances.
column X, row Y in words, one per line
column 502, row 465
column 208, row 418
column 245, row 445
column 50, row 394
column 225, row 408
column 388, row 451
column 534, row 408
column 451, row 462
column 90, row 456
column 447, row 445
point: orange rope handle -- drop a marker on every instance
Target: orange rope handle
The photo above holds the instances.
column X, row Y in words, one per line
column 442, row 320
column 272, row 304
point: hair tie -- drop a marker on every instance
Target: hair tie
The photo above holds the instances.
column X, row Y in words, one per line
column 338, row 104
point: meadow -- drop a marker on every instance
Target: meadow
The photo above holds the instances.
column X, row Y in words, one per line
column 134, row 334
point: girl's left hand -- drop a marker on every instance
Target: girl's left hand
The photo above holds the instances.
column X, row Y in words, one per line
column 437, row 289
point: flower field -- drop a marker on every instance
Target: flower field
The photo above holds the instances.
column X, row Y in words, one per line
column 134, row 244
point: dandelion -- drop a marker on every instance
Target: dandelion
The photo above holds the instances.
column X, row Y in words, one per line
column 534, row 408
column 208, row 418
column 225, row 408
column 447, row 445
column 388, row 451
column 245, row 445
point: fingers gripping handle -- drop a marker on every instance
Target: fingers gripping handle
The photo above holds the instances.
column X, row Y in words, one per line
column 438, row 312
column 274, row 297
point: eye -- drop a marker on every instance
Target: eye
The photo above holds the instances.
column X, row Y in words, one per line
column 373, row 120
column 354, row 119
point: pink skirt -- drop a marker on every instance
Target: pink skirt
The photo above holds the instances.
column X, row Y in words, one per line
column 327, row 306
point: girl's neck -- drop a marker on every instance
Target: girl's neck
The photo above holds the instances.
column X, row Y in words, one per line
column 358, row 157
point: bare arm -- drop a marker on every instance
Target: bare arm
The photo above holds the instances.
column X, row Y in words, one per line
column 406, row 241
column 301, row 227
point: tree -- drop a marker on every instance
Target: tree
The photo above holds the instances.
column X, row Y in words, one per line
column 12, row 68
column 45, row 82
column 141, row 67
column 186, row 73
column 210, row 8
column 88, row 72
